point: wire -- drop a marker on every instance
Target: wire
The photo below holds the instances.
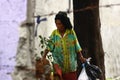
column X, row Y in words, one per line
column 82, row 9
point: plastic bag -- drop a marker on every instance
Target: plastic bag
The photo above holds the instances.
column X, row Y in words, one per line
column 93, row 71
column 83, row 75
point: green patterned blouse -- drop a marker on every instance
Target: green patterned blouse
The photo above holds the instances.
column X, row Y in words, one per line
column 64, row 50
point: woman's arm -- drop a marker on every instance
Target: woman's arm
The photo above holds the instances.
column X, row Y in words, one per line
column 81, row 57
column 45, row 53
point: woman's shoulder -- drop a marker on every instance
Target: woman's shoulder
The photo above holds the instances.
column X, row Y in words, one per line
column 54, row 32
column 71, row 31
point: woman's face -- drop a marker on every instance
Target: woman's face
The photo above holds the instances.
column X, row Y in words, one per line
column 59, row 25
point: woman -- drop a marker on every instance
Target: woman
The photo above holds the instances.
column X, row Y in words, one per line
column 64, row 47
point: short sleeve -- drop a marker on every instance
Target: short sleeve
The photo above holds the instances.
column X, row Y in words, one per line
column 50, row 45
column 77, row 45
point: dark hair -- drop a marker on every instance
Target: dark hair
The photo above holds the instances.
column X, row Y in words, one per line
column 62, row 16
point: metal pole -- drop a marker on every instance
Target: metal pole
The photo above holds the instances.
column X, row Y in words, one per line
column 31, row 26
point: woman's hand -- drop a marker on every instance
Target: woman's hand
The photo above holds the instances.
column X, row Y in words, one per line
column 45, row 53
column 45, row 61
column 82, row 59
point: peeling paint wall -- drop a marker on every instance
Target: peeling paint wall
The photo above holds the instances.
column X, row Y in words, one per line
column 110, row 26
column 12, row 12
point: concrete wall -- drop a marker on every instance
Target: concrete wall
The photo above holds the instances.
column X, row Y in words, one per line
column 13, row 12
column 110, row 26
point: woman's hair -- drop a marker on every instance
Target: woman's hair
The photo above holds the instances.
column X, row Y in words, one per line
column 62, row 16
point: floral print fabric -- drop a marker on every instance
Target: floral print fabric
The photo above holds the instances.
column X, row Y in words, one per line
column 64, row 49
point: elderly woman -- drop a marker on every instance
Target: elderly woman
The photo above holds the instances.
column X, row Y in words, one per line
column 64, row 47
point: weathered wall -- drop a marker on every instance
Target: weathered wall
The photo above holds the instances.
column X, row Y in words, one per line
column 13, row 12
column 110, row 26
